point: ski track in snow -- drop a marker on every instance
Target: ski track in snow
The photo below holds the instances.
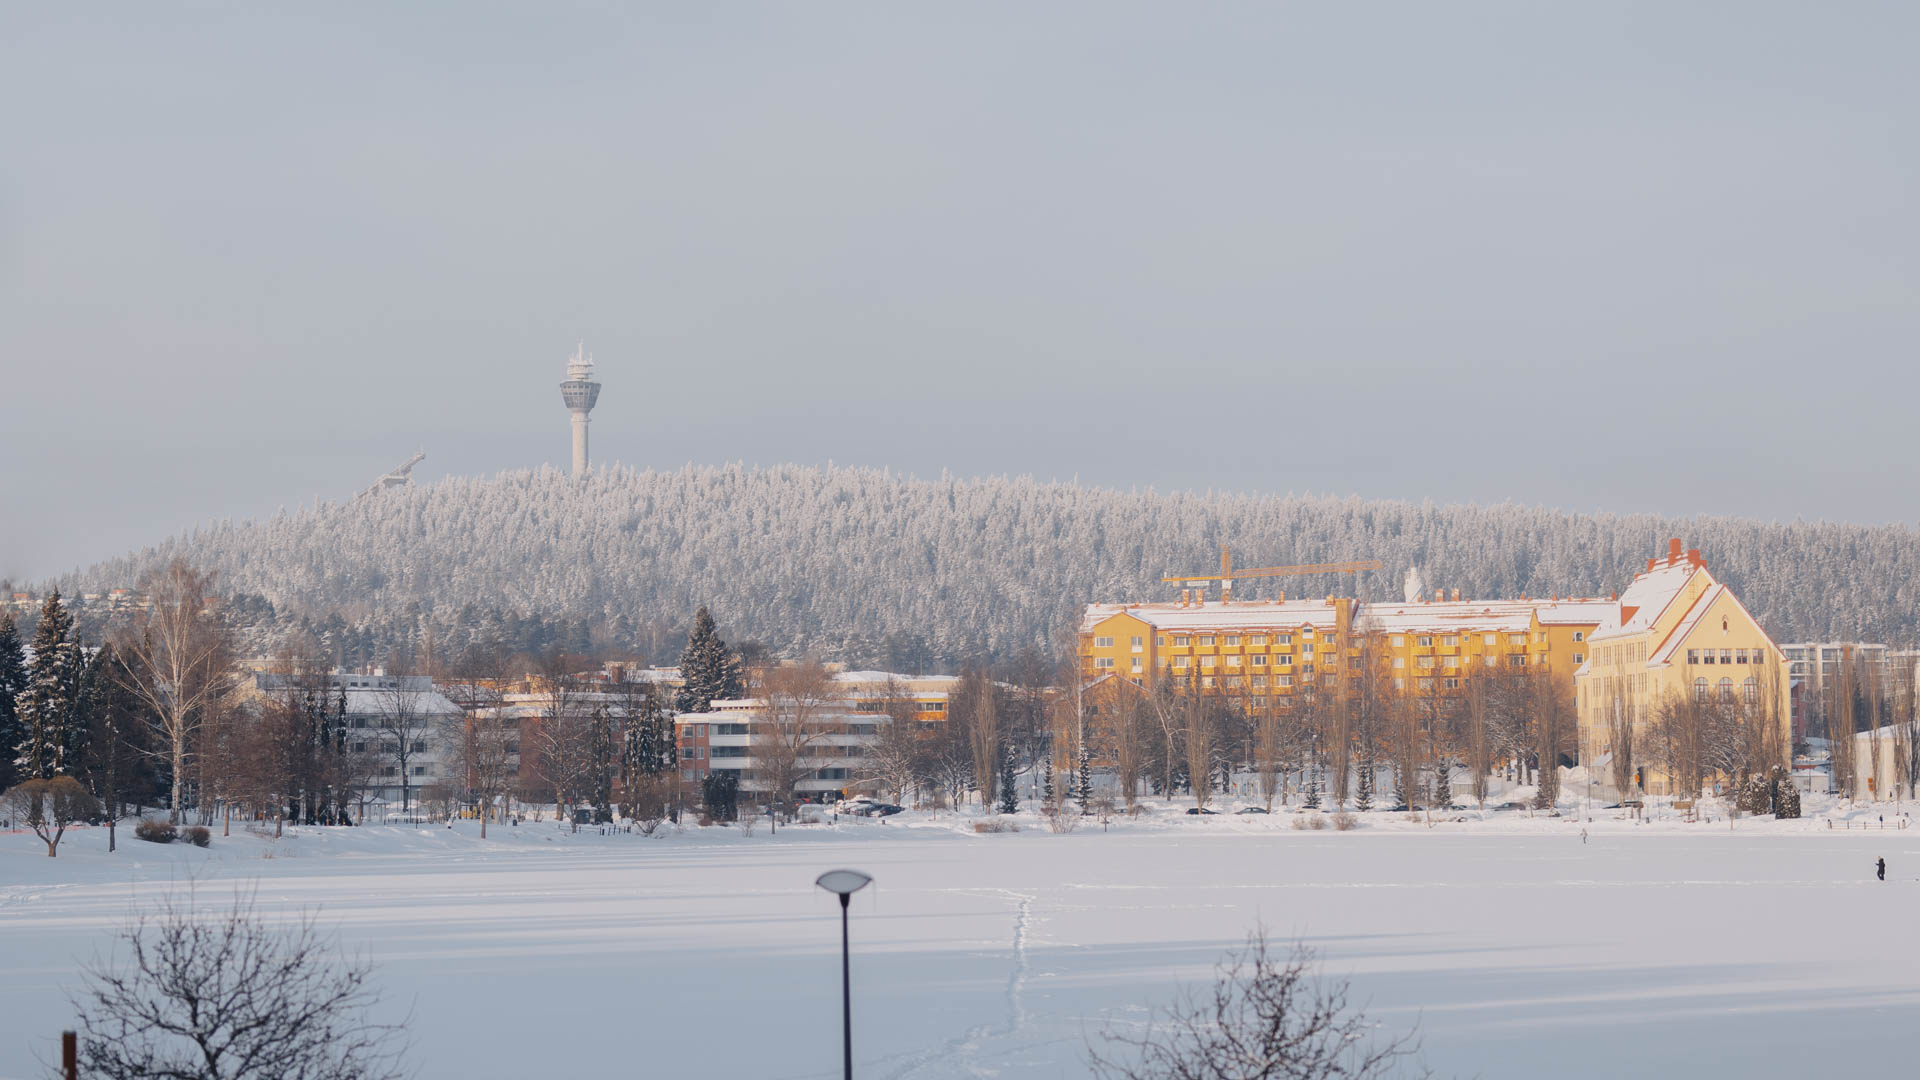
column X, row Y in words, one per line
column 963, row 1051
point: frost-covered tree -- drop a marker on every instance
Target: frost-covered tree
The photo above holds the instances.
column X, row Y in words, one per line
column 1009, row 798
column 921, row 574
column 49, row 721
column 707, row 669
column 13, row 682
column 600, row 765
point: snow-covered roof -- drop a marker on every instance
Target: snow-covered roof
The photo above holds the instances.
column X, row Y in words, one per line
column 1447, row 617
column 1213, row 615
column 1647, row 598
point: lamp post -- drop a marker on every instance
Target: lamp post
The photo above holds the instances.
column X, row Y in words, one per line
column 844, row 883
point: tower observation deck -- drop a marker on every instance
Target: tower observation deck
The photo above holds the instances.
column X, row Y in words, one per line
column 580, row 393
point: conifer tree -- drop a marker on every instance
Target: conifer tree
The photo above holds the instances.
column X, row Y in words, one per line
column 707, row 668
column 46, row 709
column 13, row 683
column 1046, row 778
column 600, row 764
column 1083, row 787
column 1363, row 788
column 1009, row 801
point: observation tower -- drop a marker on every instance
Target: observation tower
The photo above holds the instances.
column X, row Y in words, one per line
column 580, row 393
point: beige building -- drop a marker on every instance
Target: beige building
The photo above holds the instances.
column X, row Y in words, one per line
column 1677, row 635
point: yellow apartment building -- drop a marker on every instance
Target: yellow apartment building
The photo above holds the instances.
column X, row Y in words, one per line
column 1283, row 650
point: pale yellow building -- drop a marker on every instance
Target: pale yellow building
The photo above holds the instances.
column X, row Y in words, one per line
column 1677, row 635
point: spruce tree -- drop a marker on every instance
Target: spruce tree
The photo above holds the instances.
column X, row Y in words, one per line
column 1083, row 788
column 52, row 694
column 1046, row 777
column 707, row 669
column 13, row 683
column 1363, row 785
column 1009, row 801
column 600, row 765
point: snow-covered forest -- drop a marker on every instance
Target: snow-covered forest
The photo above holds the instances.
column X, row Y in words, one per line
column 879, row 568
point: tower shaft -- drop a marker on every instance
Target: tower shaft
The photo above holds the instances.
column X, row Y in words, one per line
column 580, row 422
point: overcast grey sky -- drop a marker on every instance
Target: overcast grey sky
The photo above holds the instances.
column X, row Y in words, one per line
column 1598, row 256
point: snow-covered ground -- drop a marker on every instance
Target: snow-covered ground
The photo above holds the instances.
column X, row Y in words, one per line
column 1752, row 948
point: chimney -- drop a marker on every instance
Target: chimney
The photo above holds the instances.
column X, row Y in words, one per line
column 1283, row 596
column 1673, row 552
column 1456, row 596
column 1693, row 556
column 1439, row 595
column 1651, row 563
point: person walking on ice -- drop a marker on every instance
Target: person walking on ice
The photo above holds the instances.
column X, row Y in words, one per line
column 1880, row 868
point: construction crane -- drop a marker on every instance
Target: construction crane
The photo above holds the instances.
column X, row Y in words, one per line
column 1228, row 573
column 399, row 477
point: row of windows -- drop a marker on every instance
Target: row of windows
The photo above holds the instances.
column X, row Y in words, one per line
column 1726, row 656
column 1750, row 690
column 1181, row 641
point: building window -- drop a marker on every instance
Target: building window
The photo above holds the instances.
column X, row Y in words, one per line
column 1233, row 661
column 1488, row 639
column 1179, row 641
column 1139, row 643
column 1399, row 640
column 1700, row 688
column 1579, row 636
column 1693, row 656
column 1399, row 662
column 1423, row 684
column 1726, row 689
column 1259, row 682
column 1103, row 643
column 1516, row 639
column 1450, row 640
column 1233, row 680
column 1284, row 659
column 1206, row 681
column 1726, row 656
column 1206, row 639
column 1137, row 667
column 1283, row 680
column 1306, row 633
column 1160, row 641
column 1283, row 639
column 1516, row 661
column 1257, row 639
column 1181, row 662
column 1102, row 662
column 1579, row 658
column 1206, row 661
column 1399, row 684
column 1423, row 661
column 1306, row 648
column 1451, row 684
column 1450, row 662
column 1425, row 641
column 1233, row 639
column 1260, row 661
column 1752, row 688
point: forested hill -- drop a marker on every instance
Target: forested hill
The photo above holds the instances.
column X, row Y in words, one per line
column 876, row 567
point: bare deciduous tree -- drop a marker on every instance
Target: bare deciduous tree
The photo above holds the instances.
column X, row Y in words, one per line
column 182, row 653
column 202, row 996
column 792, row 722
column 1265, row 1017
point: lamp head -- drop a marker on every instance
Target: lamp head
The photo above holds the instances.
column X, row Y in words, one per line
column 843, row 882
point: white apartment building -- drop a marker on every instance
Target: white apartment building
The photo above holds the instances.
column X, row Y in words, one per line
column 380, row 709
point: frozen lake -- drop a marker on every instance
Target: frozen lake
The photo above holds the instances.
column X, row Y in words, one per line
column 1519, row 950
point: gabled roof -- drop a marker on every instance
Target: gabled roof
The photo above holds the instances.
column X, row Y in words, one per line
column 1648, row 598
column 1664, row 654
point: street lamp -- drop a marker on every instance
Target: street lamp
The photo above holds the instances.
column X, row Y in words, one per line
column 844, row 883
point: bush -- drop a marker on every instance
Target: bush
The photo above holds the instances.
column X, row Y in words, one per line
column 200, row 836
column 995, row 825
column 155, row 831
column 1343, row 821
column 1310, row 821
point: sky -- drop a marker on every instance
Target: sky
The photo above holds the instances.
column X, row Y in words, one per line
column 1617, row 257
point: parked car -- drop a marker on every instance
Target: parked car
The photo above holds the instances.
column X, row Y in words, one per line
column 1201, row 810
column 1251, row 810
